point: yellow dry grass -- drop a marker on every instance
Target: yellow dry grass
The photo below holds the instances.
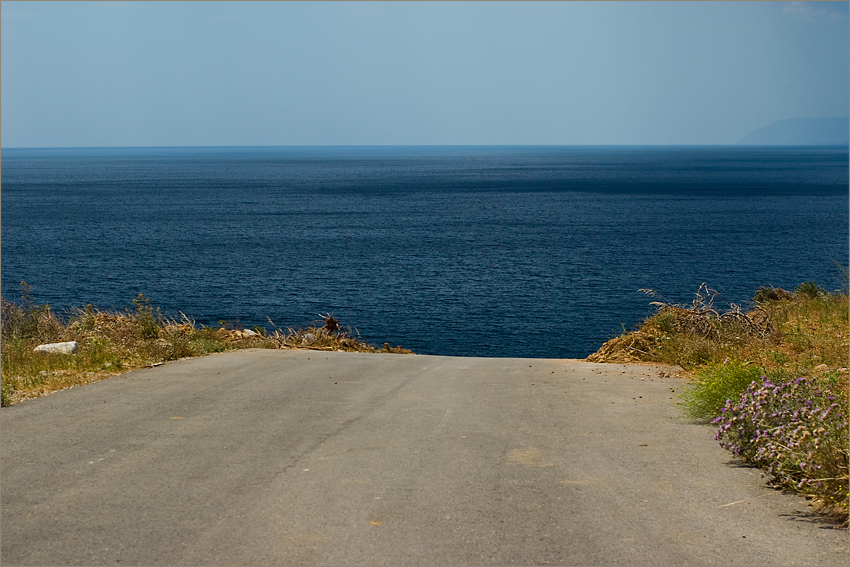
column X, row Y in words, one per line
column 110, row 343
column 799, row 333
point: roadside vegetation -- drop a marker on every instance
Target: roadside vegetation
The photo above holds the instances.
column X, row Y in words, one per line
column 111, row 342
column 773, row 378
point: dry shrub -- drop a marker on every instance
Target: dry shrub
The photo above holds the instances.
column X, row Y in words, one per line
column 626, row 348
column 795, row 330
column 329, row 336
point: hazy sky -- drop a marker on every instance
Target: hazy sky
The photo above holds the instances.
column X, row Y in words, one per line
column 351, row 73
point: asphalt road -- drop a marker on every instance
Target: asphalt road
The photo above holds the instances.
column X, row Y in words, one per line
column 305, row 457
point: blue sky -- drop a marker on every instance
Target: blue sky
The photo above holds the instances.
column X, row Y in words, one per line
column 79, row 74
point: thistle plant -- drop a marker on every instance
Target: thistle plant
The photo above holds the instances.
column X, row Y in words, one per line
column 149, row 320
column 797, row 431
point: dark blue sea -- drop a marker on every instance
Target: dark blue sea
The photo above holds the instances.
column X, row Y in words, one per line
column 468, row 251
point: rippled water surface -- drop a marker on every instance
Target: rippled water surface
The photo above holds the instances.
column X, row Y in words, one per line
column 471, row 251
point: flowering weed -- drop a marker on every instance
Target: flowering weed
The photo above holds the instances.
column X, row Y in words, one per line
column 797, row 431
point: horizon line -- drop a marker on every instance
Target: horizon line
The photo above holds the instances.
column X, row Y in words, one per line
column 737, row 144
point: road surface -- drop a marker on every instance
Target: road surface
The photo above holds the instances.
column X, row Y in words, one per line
column 267, row 457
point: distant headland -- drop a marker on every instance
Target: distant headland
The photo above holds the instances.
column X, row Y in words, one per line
column 801, row 132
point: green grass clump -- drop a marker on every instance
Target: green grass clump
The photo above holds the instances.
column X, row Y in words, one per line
column 715, row 384
column 811, row 289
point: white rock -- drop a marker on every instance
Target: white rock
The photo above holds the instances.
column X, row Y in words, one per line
column 58, row 348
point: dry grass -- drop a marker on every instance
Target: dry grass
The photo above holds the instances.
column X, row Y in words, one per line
column 797, row 332
column 110, row 343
